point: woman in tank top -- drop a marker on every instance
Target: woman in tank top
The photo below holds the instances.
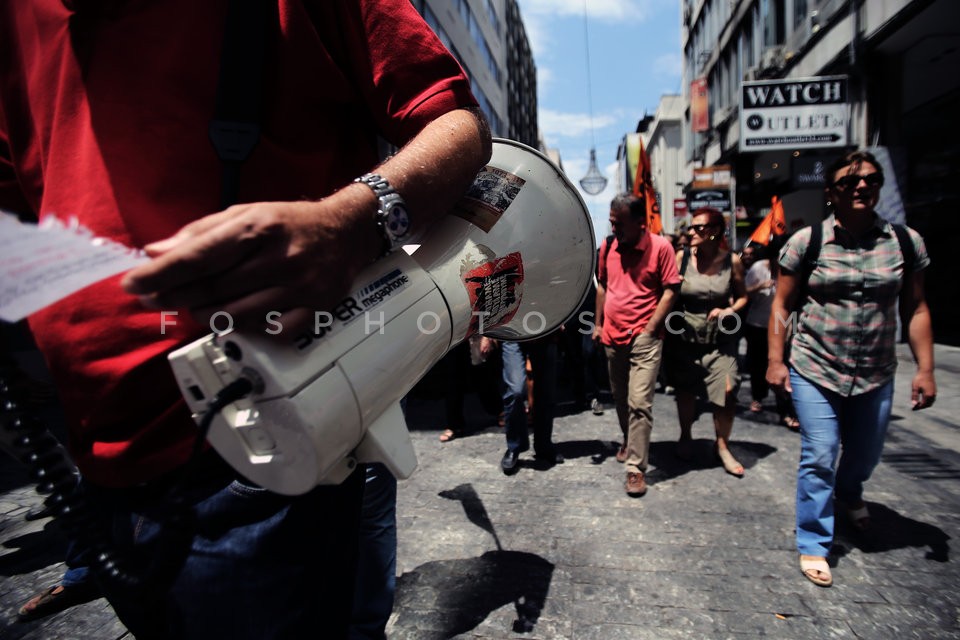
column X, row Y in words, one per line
column 702, row 331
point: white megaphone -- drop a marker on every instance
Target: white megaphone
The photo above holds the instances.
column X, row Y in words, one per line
column 512, row 261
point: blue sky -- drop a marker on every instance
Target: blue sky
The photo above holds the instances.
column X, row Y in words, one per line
column 634, row 58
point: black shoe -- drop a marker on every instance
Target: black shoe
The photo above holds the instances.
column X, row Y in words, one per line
column 550, row 457
column 510, row 461
column 596, row 407
column 38, row 512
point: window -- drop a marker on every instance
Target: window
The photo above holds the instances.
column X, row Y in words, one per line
column 772, row 14
column 496, row 125
column 492, row 14
column 431, row 19
column 799, row 13
column 470, row 21
column 746, row 45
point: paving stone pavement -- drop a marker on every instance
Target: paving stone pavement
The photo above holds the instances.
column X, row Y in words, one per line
column 564, row 553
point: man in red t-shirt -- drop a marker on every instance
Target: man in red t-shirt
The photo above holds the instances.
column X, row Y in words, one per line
column 104, row 115
column 638, row 280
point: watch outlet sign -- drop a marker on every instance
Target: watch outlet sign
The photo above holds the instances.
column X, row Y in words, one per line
column 797, row 113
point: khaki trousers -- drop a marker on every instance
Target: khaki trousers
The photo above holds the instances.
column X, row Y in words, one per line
column 633, row 381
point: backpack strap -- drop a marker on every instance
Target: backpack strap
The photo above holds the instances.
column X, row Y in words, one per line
column 906, row 248
column 684, row 261
column 909, row 258
column 810, row 257
column 603, row 258
column 235, row 127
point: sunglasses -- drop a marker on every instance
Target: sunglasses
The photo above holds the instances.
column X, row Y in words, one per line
column 699, row 228
column 846, row 183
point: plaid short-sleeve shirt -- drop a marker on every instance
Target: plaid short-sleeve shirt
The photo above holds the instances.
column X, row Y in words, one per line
column 846, row 331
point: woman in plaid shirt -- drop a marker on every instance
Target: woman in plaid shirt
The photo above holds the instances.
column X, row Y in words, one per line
column 842, row 355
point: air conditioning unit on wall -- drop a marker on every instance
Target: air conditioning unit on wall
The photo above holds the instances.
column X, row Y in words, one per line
column 771, row 59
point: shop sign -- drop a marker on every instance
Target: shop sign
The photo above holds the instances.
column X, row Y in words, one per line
column 679, row 207
column 715, row 177
column 698, row 199
column 809, row 173
column 795, row 113
column 699, row 106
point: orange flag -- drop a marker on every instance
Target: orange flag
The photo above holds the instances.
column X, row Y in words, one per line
column 643, row 187
column 775, row 224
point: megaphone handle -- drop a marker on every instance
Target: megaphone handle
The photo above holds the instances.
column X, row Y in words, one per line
column 388, row 441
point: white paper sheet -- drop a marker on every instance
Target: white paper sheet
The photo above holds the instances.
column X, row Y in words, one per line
column 40, row 264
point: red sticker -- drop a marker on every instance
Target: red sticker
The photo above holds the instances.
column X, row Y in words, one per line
column 495, row 289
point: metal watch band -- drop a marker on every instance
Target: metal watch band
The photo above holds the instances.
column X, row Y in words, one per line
column 391, row 218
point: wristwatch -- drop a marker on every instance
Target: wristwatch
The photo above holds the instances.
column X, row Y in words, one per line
column 392, row 217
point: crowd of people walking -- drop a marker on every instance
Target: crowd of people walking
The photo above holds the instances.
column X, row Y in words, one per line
column 818, row 311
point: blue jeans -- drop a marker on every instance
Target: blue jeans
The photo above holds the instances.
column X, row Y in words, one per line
column 831, row 425
column 77, row 560
column 78, row 570
column 377, row 561
column 255, row 564
column 543, row 361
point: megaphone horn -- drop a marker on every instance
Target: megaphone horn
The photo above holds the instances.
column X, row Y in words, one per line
column 513, row 261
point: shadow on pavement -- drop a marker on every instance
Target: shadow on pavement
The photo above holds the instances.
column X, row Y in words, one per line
column 597, row 450
column 667, row 465
column 457, row 595
column 13, row 476
column 427, row 413
column 888, row 531
column 460, row 594
column 34, row 551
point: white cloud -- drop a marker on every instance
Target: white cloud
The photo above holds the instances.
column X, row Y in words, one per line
column 612, row 10
column 555, row 124
column 537, row 13
column 538, row 34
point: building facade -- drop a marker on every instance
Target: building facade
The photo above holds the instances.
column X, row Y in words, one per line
column 489, row 39
column 896, row 63
column 662, row 137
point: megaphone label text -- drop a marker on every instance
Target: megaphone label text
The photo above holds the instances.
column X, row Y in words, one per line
column 492, row 191
column 353, row 307
column 373, row 294
column 495, row 289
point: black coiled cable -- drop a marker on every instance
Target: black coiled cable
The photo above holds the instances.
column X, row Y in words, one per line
column 57, row 478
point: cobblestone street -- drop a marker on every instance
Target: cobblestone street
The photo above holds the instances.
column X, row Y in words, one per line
column 564, row 553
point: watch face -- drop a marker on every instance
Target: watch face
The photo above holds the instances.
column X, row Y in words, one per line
column 396, row 221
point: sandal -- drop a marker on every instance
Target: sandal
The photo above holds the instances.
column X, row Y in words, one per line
column 790, row 423
column 56, row 599
column 448, row 435
column 816, row 570
column 756, row 407
column 730, row 464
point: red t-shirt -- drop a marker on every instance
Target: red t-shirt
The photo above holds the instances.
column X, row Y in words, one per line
column 634, row 278
column 104, row 116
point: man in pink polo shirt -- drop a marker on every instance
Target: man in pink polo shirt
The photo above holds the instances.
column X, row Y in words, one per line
column 638, row 281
